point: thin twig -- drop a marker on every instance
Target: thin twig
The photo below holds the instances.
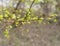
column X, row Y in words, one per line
column 30, row 8
column 17, row 5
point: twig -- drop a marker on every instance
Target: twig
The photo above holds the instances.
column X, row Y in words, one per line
column 17, row 5
column 30, row 8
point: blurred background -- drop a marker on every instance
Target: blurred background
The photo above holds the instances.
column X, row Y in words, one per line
column 46, row 33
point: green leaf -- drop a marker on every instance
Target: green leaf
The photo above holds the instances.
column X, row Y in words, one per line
column 13, row 16
column 49, row 18
column 17, row 22
column 28, row 17
column 6, row 15
column 1, row 17
column 28, row 22
column 40, row 21
column 6, row 33
column 10, row 26
column 55, row 20
column 41, row 18
column 7, row 12
column 54, row 15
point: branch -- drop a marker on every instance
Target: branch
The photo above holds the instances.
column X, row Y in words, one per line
column 30, row 8
column 31, row 4
column 17, row 5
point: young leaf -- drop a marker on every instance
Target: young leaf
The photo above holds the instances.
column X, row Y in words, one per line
column 13, row 16
column 6, row 33
column 1, row 17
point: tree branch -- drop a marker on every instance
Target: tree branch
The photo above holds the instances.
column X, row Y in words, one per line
column 31, row 4
column 29, row 8
column 17, row 5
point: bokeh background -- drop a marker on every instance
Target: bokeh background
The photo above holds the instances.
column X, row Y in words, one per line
column 34, row 34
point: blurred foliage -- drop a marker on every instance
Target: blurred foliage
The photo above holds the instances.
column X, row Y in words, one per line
column 6, row 34
column 23, row 12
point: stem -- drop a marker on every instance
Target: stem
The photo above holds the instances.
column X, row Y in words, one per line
column 29, row 9
column 17, row 5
